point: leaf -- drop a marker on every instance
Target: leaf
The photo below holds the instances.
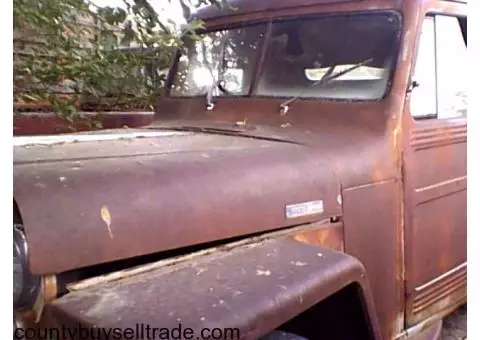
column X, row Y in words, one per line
column 185, row 9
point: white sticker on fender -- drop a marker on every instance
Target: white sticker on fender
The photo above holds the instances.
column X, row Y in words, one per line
column 303, row 209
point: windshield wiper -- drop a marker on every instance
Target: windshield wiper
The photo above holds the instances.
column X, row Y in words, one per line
column 285, row 106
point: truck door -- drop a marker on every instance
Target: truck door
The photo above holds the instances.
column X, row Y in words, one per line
column 434, row 165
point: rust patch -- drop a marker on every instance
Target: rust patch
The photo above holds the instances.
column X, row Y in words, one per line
column 50, row 291
column 377, row 175
column 326, row 235
column 406, row 46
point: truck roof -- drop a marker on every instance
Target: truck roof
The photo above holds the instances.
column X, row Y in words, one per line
column 247, row 7
column 252, row 6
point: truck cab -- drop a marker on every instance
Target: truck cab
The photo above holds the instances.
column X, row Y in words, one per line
column 304, row 178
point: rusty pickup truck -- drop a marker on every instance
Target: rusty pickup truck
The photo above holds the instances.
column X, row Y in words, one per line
column 304, row 178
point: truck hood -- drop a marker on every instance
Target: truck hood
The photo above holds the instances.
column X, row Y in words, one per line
column 91, row 200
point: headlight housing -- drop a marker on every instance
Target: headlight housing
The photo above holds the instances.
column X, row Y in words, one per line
column 26, row 286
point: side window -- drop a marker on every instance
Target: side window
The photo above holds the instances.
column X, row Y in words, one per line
column 451, row 68
column 423, row 99
column 440, row 70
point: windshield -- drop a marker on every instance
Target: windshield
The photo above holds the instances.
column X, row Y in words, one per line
column 298, row 54
column 229, row 56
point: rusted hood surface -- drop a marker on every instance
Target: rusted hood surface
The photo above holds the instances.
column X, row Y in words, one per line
column 118, row 143
column 91, row 202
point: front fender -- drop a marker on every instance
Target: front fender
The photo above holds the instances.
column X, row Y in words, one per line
column 254, row 288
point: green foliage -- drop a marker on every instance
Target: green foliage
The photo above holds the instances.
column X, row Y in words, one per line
column 67, row 53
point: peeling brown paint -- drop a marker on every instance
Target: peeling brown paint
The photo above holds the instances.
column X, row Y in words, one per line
column 105, row 214
column 377, row 172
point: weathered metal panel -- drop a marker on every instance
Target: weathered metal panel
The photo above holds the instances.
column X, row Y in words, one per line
column 248, row 6
column 436, row 243
column 435, row 181
column 254, row 288
column 373, row 235
column 254, row 9
column 431, row 259
column 329, row 235
column 131, row 205
column 443, row 292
